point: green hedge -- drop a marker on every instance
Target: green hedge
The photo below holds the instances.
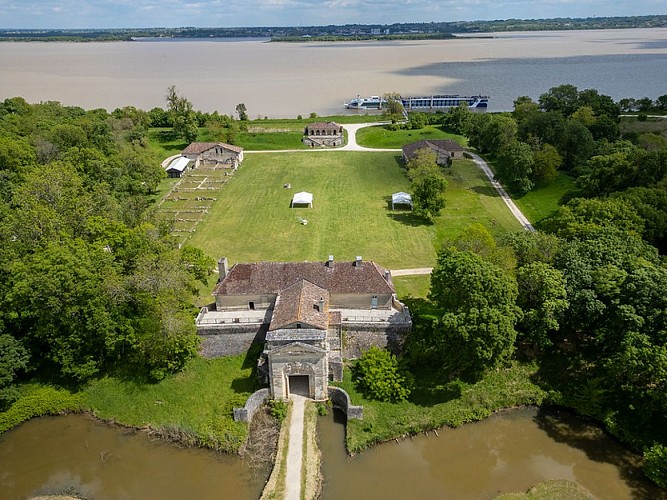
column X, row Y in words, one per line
column 37, row 402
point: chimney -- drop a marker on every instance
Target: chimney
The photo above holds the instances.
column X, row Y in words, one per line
column 320, row 305
column 357, row 262
column 222, row 268
column 330, row 261
column 387, row 275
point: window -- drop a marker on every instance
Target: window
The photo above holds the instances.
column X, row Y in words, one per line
column 251, row 305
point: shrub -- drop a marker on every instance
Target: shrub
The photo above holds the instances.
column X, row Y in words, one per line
column 655, row 464
column 377, row 375
column 41, row 401
column 278, row 409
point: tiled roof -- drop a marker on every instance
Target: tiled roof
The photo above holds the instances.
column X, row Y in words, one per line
column 300, row 303
column 197, row 148
column 274, row 277
column 323, row 126
column 439, row 144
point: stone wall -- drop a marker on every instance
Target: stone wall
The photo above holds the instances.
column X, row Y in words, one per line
column 358, row 340
column 256, row 399
column 341, row 400
column 230, row 341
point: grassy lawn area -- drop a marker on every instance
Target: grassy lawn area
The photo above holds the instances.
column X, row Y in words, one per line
column 382, row 137
column 543, row 202
column 432, row 405
column 412, row 286
column 194, row 405
column 252, row 219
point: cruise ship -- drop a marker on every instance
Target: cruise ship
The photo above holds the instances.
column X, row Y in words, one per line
column 428, row 103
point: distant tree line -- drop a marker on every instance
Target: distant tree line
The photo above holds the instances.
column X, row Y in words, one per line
column 339, row 32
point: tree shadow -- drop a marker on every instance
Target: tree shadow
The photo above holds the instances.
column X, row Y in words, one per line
column 409, row 218
column 485, row 191
column 568, row 428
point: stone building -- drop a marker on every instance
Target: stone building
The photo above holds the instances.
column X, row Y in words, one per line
column 446, row 150
column 310, row 315
column 214, row 154
column 322, row 134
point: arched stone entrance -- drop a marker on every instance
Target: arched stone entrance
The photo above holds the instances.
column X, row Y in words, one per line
column 299, row 384
column 298, row 368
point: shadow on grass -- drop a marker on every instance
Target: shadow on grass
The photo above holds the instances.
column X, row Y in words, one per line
column 409, row 219
column 485, row 191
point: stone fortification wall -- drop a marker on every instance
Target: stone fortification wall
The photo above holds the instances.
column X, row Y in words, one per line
column 341, row 400
column 362, row 337
column 256, row 399
column 233, row 340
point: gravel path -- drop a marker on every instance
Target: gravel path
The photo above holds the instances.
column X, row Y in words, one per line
column 295, row 450
column 411, row 272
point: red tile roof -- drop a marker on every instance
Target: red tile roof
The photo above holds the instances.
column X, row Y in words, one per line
column 434, row 144
column 335, row 277
column 197, row 148
column 300, row 303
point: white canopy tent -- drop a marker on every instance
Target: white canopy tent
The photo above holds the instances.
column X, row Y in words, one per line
column 302, row 198
column 401, row 199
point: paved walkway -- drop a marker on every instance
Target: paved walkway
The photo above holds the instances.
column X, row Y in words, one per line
column 411, row 272
column 503, row 194
column 294, row 461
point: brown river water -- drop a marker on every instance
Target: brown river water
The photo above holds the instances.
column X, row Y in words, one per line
column 284, row 80
column 508, row 452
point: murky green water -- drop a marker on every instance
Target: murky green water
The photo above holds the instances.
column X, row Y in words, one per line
column 509, row 452
column 54, row 454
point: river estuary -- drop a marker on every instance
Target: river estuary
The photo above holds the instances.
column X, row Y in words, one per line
column 287, row 79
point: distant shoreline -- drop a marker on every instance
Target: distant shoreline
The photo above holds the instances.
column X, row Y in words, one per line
column 336, row 33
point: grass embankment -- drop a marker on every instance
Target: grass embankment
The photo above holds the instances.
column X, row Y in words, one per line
column 433, row 405
column 193, row 407
column 351, row 215
column 382, row 137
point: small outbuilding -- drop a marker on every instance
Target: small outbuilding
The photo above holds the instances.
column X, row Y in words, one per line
column 445, row 150
column 302, row 198
column 214, row 154
column 322, row 134
column 177, row 166
column 401, row 198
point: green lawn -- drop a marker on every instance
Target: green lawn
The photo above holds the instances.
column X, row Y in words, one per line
column 195, row 404
column 382, row 137
column 252, row 219
column 544, row 202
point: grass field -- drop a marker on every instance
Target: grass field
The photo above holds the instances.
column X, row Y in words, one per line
column 544, row 202
column 252, row 219
column 382, row 137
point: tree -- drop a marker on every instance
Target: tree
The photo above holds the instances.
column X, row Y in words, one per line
column 242, row 112
column 477, row 300
column 456, row 119
column 183, row 118
column 605, row 174
column 13, row 358
column 514, row 167
column 394, row 106
column 577, row 144
column 546, row 162
column 378, row 376
column 655, row 464
column 542, row 298
column 563, row 99
column 428, row 194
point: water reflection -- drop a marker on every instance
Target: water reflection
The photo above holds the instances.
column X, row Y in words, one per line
column 74, row 452
column 511, row 451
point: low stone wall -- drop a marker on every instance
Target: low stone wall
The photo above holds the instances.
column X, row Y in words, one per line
column 231, row 341
column 341, row 400
column 256, row 399
column 363, row 337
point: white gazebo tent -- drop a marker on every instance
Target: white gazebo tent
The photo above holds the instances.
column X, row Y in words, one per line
column 401, row 199
column 302, row 198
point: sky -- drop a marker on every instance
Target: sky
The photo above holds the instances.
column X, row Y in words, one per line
column 230, row 13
